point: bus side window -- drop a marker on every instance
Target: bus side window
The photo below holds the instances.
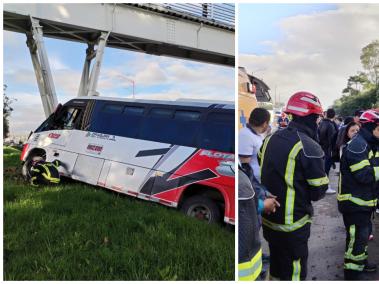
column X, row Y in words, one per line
column 217, row 132
column 161, row 113
column 118, row 119
column 68, row 119
column 134, row 110
column 157, row 125
column 132, row 119
column 179, row 127
column 113, row 108
column 186, row 126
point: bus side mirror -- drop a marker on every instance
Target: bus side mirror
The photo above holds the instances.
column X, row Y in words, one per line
column 30, row 134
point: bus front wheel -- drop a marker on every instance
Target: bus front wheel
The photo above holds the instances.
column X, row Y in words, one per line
column 202, row 208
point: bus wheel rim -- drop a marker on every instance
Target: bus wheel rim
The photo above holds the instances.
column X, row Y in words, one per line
column 200, row 212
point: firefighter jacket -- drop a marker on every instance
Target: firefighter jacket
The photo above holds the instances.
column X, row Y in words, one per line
column 292, row 168
column 45, row 173
column 249, row 246
column 358, row 182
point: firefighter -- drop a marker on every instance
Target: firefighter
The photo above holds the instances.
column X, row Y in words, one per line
column 249, row 246
column 45, row 173
column 292, row 168
column 357, row 193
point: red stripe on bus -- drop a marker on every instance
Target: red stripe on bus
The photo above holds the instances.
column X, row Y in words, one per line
column 117, row 188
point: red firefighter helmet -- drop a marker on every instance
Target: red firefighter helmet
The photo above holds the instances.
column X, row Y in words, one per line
column 370, row 116
column 303, row 104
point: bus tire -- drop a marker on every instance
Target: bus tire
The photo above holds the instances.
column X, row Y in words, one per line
column 202, row 208
column 28, row 165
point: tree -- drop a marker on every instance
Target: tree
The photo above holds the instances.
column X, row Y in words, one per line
column 362, row 90
column 348, row 104
column 7, row 110
column 370, row 61
column 356, row 83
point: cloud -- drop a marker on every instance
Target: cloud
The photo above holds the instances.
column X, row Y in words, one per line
column 66, row 81
column 152, row 74
column 188, row 78
column 21, row 76
column 27, row 112
column 149, row 74
column 316, row 52
column 56, row 63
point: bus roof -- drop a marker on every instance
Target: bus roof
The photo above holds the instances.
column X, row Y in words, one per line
column 180, row 102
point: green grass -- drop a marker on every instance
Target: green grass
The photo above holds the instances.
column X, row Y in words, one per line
column 79, row 232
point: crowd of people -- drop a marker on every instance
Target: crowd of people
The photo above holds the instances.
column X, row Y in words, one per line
column 282, row 173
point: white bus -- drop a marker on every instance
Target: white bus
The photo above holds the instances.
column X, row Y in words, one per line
column 177, row 153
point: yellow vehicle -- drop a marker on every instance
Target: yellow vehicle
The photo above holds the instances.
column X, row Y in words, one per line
column 247, row 100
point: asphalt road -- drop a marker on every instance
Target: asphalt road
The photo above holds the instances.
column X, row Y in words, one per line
column 327, row 241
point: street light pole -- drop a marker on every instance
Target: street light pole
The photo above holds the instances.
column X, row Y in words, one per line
column 133, row 88
column 130, row 80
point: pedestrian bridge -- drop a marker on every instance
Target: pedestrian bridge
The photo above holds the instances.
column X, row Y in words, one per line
column 200, row 32
column 189, row 31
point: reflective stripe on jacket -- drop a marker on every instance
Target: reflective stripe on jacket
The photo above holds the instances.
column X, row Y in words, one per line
column 359, row 176
column 292, row 168
column 249, row 246
column 46, row 172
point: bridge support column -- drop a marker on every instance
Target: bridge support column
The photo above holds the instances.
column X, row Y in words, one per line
column 88, row 82
column 41, row 67
column 90, row 54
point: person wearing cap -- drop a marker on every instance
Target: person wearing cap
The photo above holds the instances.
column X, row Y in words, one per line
column 357, row 193
column 45, row 173
column 283, row 121
column 292, row 168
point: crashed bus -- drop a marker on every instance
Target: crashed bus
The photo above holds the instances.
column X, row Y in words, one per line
column 177, row 153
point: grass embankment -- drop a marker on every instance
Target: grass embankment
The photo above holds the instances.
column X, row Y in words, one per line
column 79, row 232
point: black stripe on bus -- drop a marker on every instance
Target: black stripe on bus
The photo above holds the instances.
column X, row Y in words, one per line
column 154, row 152
column 158, row 184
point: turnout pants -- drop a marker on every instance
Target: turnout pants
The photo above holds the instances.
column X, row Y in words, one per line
column 357, row 233
column 288, row 262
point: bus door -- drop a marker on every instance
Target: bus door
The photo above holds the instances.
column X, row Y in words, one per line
column 68, row 119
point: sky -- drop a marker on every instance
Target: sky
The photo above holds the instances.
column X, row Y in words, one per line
column 156, row 77
column 310, row 47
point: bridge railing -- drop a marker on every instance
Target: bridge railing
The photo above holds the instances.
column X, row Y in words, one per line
column 223, row 13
